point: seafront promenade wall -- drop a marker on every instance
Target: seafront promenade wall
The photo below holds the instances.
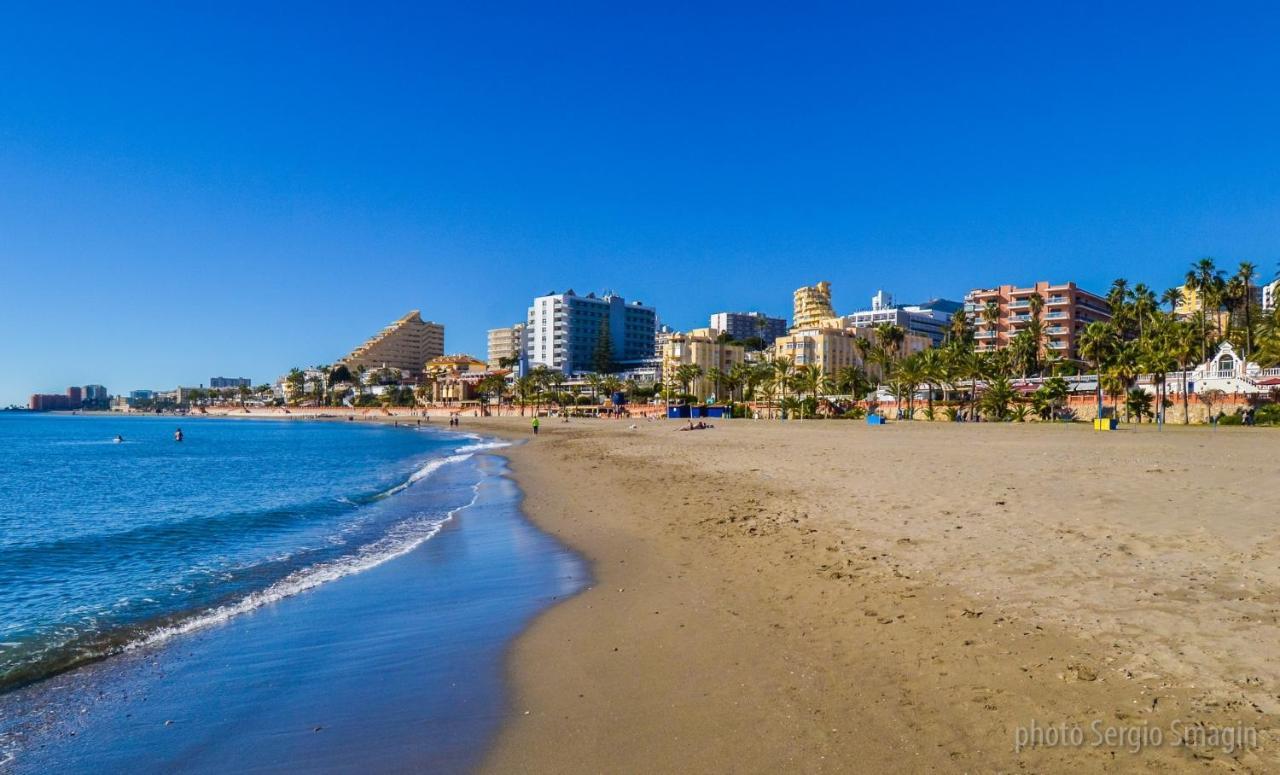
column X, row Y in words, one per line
column 1086, row 408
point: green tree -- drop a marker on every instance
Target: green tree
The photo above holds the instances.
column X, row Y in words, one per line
column 783, row 368
column 1207, row 281
column 685, row 375
column 1242, row 285
column 1098, row 344
column 602, row 356
column 997, row 400
column 340, row 373
column 1137, row 403
column 491, row 386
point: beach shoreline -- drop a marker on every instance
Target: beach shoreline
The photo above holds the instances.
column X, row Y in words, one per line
column 750, row 614
column 418, row 683
column 754, row 607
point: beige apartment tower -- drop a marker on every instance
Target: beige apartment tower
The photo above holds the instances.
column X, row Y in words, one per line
column 504, row 343
column 812, row 305
column 700, row 347
column 406, row 344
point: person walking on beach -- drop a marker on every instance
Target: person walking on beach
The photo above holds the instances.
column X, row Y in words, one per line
column 535, row 426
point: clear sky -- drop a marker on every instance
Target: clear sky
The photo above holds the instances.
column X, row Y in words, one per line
column 236, row 189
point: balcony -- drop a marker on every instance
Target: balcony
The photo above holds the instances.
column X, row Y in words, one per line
column 1056, row 345
column 1019, row 319
column 1053, row 301
column 1056, row 315
column 1056, row 330
column 1020, row 304
column 985, row 335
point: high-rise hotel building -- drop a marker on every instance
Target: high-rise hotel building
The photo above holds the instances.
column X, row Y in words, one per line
column 563, row 331
column 741, row 326
column 406, row 344
column 1064, row 312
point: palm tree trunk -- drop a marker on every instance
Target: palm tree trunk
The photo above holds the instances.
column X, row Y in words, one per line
column 1186, row 415
column 1248, row 329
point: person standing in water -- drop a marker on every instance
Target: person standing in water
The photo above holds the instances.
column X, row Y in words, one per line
column 535, row 426
column 177, row 435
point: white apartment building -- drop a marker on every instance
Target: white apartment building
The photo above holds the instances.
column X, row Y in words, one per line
column 563, row 331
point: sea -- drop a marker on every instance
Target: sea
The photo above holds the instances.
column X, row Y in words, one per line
column 263, row 595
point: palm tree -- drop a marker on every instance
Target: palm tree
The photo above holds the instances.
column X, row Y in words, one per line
column 1173, row 297
column 1124, row 366
column 685, row 374
column 593, row 381
column 526, row 388
column 1206, row 280
column 998, row 398
column 491, row 385
column 852, row 381
column 717, row 378
column 782, row 370
column 1097, row 346
column 960, row 331
column 1117, row 300
column 1267, row 337
column 1137, row 402
column 810, row 379
column 1244, row 281
column 1183, row 343
column 933, row 371
column 965, row 363
column 911, row 372
column 610, row 385
column 1144, row 304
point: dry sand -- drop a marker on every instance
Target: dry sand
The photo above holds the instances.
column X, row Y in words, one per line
column 826, row 596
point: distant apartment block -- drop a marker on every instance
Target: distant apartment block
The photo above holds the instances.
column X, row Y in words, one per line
column 1271, row 295
column 96, row 394
column 54, row 402
column 1191, row 304
column 564, row 330
column 741, row 326
column 660, row 339
column 700, row 347
column 1066, row 310
column 811, row 305
column 832, row 346
column 406, row 344
column 931, row 318
column 505, row 343
column 229, row 382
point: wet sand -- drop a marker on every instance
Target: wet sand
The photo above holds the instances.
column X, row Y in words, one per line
column 827, row 596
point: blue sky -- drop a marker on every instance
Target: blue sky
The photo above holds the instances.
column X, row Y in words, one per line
column 233, row 190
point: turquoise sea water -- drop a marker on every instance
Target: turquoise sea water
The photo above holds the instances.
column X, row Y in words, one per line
column 105, row 546
column 263, row 596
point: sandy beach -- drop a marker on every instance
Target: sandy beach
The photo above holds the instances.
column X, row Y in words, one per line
column 826, row 596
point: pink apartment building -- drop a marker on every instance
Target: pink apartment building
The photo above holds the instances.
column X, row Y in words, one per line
column 1066, row 310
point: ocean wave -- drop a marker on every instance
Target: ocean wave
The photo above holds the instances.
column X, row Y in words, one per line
column 426, row 470
column 482, row 445
column 399, row 541
column 79, row 646
column 207, row 531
